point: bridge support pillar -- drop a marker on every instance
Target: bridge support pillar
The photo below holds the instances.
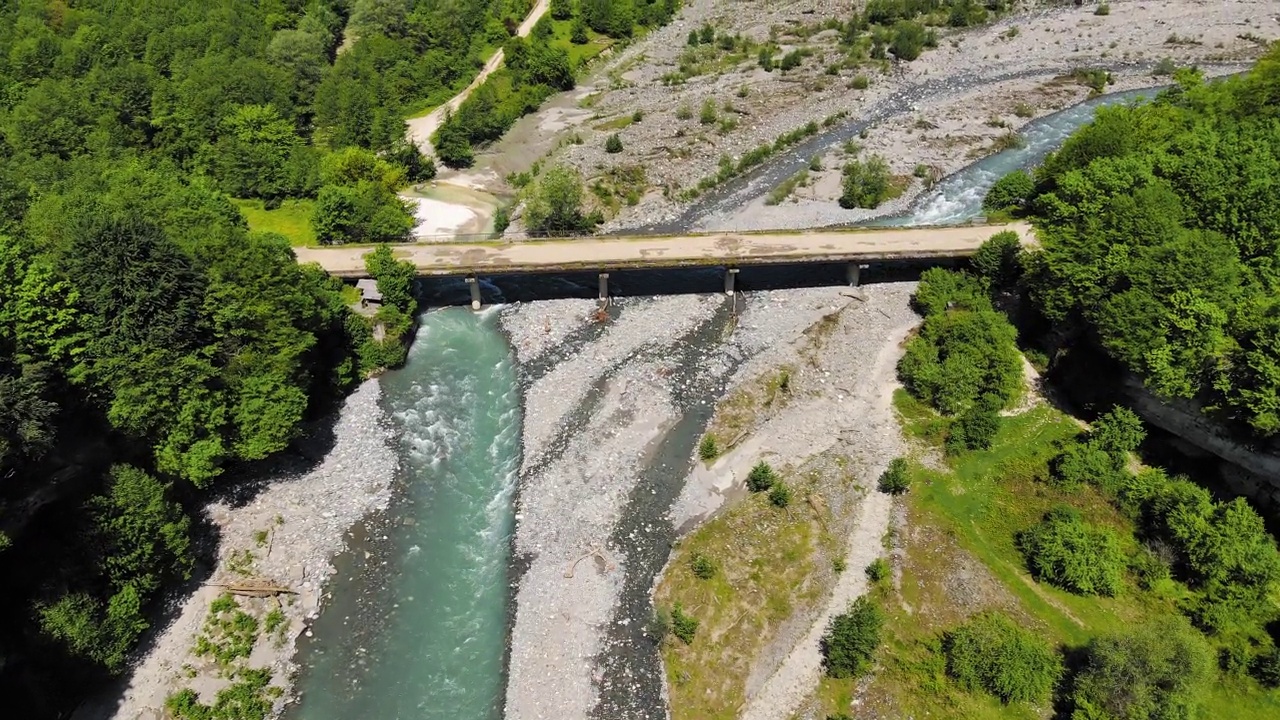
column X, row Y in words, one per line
column 475, row 292
column 729, row 276
column 604, row 287
column 853, row 274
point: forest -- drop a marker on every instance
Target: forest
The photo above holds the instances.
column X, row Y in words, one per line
column 1161, row 243
column 151, row 345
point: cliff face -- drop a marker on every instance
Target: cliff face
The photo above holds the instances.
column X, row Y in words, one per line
column 1253, row 471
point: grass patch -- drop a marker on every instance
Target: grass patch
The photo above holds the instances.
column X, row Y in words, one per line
column 961, row 558
column 737, row 414
column 292, row 219
column 788, row 186
column 764, row 558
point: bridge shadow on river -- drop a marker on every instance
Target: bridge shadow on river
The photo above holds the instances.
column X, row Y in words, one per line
column 443, row 291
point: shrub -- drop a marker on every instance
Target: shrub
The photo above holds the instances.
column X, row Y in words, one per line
column 613, row 144
column 878, row 570
column 859, row 82
column 839, row 565
column 991, row 653
column 1266, row 668
column 578, row 32
column 707, row 449
column 852, row 638
column 708, row 114
column 941, row 289
column 1102, row 9
column 1011, row 191
column 684, row 112
column 780, row 494
column 1153, row 671
column 977, row 426
column 761, row 478
column 1084, row 463
column 999, row 259
column 866, row 183
column 1118, row 432
column 693, row 38
column 1165, row 67
column 790, row 61
column 895, row 480
column 703, row 567
column 1065, row 551
column 1024, row 110
column 683, row 626
column 908, row 40
column 553, row 204
column 1149, row 568
column 765, row 59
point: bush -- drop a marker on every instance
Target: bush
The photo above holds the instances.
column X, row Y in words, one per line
column 991, row 653
column 977, row 426
column 895, row 480
column 553, row 204
column 852, row 638
column 1084, row 463
column 1102, row 9
column 865, row 183
column 941, row 289
column 1011, row 191
column 908, row 40
column 708, row 114
column 707, row 449
column 684, row 112
column 1165, row 67
column 859, row 82
column 1024, row 110
column 761, row 478
column 780, row 494
column 878, row 570
column 683, row 626
column 958, row 357
column 1118, row 432
column 1266, row 668
column 613, row 144
column 790, row 61
column 1067, row 552
column 1153, row 671
column 999, row 259
column 703, row 567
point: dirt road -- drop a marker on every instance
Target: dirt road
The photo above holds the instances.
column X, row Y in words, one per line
column 603, row 253
column 422, row 128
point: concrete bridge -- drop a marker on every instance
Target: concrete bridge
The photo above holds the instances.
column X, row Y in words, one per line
column 855, row 246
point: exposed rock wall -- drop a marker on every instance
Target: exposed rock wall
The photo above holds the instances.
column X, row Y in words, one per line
column 1253, row 471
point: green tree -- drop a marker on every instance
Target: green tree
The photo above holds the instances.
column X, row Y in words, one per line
column 908, row 40
column 896, row 478
column 1152, row 672
column 395, row 278
column 991, row 653
column 1065, row 551
column 850, row 642
column 554, row 204
column 999, row 259
column 253, row 147
column 865, row 183
column 143, row 535
column 762, row 477
column 1011, row 191
column 1118, row 432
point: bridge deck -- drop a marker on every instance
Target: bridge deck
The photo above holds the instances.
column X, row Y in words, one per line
column 616, row 253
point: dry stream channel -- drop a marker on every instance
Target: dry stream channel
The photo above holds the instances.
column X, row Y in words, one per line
column 418, row 621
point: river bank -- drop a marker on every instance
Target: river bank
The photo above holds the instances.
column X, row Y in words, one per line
column 285, row 528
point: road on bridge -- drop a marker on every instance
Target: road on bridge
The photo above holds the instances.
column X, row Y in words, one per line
column 617, row 253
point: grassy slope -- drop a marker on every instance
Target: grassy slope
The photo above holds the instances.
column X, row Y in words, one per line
column 292, row 219
column 969, row 516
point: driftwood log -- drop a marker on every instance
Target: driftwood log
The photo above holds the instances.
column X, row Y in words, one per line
column 593, row 552
column 255, row 588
